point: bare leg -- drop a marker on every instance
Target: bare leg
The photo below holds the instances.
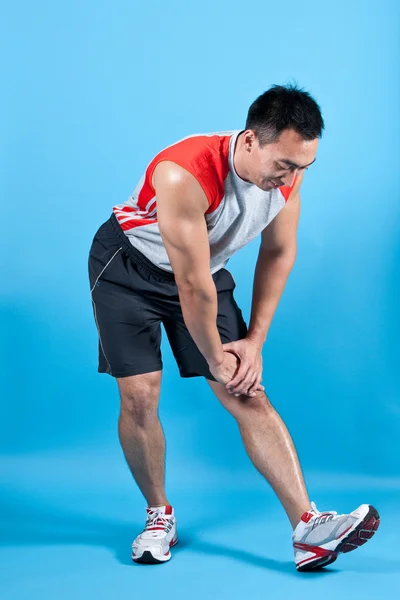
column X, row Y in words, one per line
column 269, row 447
column 141, row 435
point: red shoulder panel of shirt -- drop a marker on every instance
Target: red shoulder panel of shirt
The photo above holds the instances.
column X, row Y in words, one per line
column 205, row 157
column 286, row 190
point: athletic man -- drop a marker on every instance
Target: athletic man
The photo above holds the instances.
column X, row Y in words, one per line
column 161, row 258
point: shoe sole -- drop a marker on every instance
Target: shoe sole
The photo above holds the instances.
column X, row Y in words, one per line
column 148, row 559
column 364, row 531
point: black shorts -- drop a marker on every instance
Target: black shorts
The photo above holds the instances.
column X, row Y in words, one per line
column 131, row 297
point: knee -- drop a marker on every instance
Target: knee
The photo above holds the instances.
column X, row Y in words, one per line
column 258, row 404
column 139, row 401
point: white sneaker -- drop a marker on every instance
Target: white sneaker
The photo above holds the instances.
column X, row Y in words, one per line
column 158, row 536
column 320, row 537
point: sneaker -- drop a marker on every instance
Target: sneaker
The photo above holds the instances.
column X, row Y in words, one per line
column 320, row 537
column 158, row 536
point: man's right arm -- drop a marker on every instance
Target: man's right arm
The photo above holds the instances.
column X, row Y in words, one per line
column 181, row 204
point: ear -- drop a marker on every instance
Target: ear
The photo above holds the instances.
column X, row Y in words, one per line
column 249, row 140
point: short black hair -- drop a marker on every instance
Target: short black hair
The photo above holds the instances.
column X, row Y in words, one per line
column 285, row 107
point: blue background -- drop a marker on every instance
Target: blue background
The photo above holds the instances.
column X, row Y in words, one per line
column 91, row 92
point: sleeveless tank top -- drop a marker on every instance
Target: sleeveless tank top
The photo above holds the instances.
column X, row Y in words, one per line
column 238, row 210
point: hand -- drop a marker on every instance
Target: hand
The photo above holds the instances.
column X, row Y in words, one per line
column 227, row 369
column 247, row 379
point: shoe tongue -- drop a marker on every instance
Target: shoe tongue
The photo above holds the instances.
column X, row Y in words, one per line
column 309, row 514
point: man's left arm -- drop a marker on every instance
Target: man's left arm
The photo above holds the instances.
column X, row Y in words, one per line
column 275, row 260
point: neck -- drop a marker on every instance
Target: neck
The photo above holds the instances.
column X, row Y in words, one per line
column 239, row 157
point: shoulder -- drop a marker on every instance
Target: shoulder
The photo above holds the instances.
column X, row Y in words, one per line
column 202, row 157
column 197, row 152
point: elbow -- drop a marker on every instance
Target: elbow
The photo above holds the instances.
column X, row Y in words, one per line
column 195, row 288
column 283, row 254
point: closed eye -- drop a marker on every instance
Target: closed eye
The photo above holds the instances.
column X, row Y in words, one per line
column 289, row 168
column 282, row 168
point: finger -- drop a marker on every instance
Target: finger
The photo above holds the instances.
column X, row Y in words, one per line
column 256, row 385
column 229, row 346
column 238, row 378
column 256, row 381
column 239, row 389
column 244, row 367
column 243, row 387
column 253, row 387
column 248, row 391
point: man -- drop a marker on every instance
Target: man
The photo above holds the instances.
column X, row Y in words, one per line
column 161, row 258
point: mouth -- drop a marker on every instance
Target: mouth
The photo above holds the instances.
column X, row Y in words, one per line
column 275, row 185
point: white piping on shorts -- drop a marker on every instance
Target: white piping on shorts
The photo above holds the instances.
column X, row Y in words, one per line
column 94, row 307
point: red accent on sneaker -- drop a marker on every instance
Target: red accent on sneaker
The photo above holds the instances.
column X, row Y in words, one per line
column 318, row 552
column 168, row 509
column 307, row 517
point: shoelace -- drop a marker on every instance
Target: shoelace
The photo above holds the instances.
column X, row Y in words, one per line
column 321, row 517
column 156, row 522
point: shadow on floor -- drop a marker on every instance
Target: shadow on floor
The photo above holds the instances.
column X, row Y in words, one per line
column 26, row 522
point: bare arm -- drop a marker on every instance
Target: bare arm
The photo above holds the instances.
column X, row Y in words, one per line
column 181, row 204
column 275, row 261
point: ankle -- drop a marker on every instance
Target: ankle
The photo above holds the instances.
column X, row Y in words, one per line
column 296, row 514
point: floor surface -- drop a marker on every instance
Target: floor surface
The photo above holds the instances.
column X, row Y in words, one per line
column 68, row 520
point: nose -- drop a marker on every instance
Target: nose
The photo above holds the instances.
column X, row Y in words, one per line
column 289, row 178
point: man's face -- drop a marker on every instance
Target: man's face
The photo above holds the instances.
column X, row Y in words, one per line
column 277, row 164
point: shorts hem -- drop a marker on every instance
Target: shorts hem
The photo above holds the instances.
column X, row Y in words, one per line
column 134, row 371
column 187, row 375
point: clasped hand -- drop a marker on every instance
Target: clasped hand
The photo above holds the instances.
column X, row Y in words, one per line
column 242, row 374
